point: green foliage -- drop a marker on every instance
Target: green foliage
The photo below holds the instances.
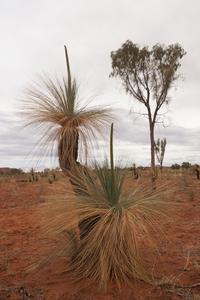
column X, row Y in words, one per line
column 186, row 165
column 175, row 166
column 143, row 70
column 111, row 179
column 147, row 75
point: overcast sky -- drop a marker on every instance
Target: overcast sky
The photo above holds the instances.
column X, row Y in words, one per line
column 32, row 37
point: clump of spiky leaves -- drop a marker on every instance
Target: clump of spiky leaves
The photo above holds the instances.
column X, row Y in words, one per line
column 53, row 106
column 118, row 224
column 159, row 148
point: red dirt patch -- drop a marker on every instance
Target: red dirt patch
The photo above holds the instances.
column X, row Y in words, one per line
column 21, row 245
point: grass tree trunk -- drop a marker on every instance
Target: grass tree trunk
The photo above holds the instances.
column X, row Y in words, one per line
column 87, row 225
column 68, row 154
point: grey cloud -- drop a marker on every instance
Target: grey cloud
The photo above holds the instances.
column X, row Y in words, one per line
column 131, row 140
column 32, row 40
column 17, row 141
column 136, row 130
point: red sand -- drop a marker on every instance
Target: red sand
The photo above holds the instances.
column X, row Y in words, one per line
column 20, row 245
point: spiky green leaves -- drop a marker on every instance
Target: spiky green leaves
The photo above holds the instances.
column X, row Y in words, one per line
column 110, row 183
column 110, row 178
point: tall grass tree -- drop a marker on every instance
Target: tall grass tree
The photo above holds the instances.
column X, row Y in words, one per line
column 54, row 107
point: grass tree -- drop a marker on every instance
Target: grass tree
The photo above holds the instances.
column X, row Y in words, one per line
column 121, row 222
column 159, row 147
column 53, row 105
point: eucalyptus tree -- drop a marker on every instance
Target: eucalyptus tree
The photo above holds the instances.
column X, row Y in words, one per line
column 148, row 75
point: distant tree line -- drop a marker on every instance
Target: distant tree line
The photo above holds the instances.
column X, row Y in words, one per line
column 184, row 165
column 10, row 171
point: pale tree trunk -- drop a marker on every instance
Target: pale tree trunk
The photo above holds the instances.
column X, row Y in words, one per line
column 152, row 148
column 153, row 167
column 152, row 140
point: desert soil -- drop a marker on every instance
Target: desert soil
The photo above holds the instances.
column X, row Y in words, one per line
column 21, row 245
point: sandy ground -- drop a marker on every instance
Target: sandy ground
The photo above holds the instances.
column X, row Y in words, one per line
column 21, row 245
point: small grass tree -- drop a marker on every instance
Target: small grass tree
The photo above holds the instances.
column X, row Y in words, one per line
column 148, row 75
column 159, row 147
column 121, row 221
